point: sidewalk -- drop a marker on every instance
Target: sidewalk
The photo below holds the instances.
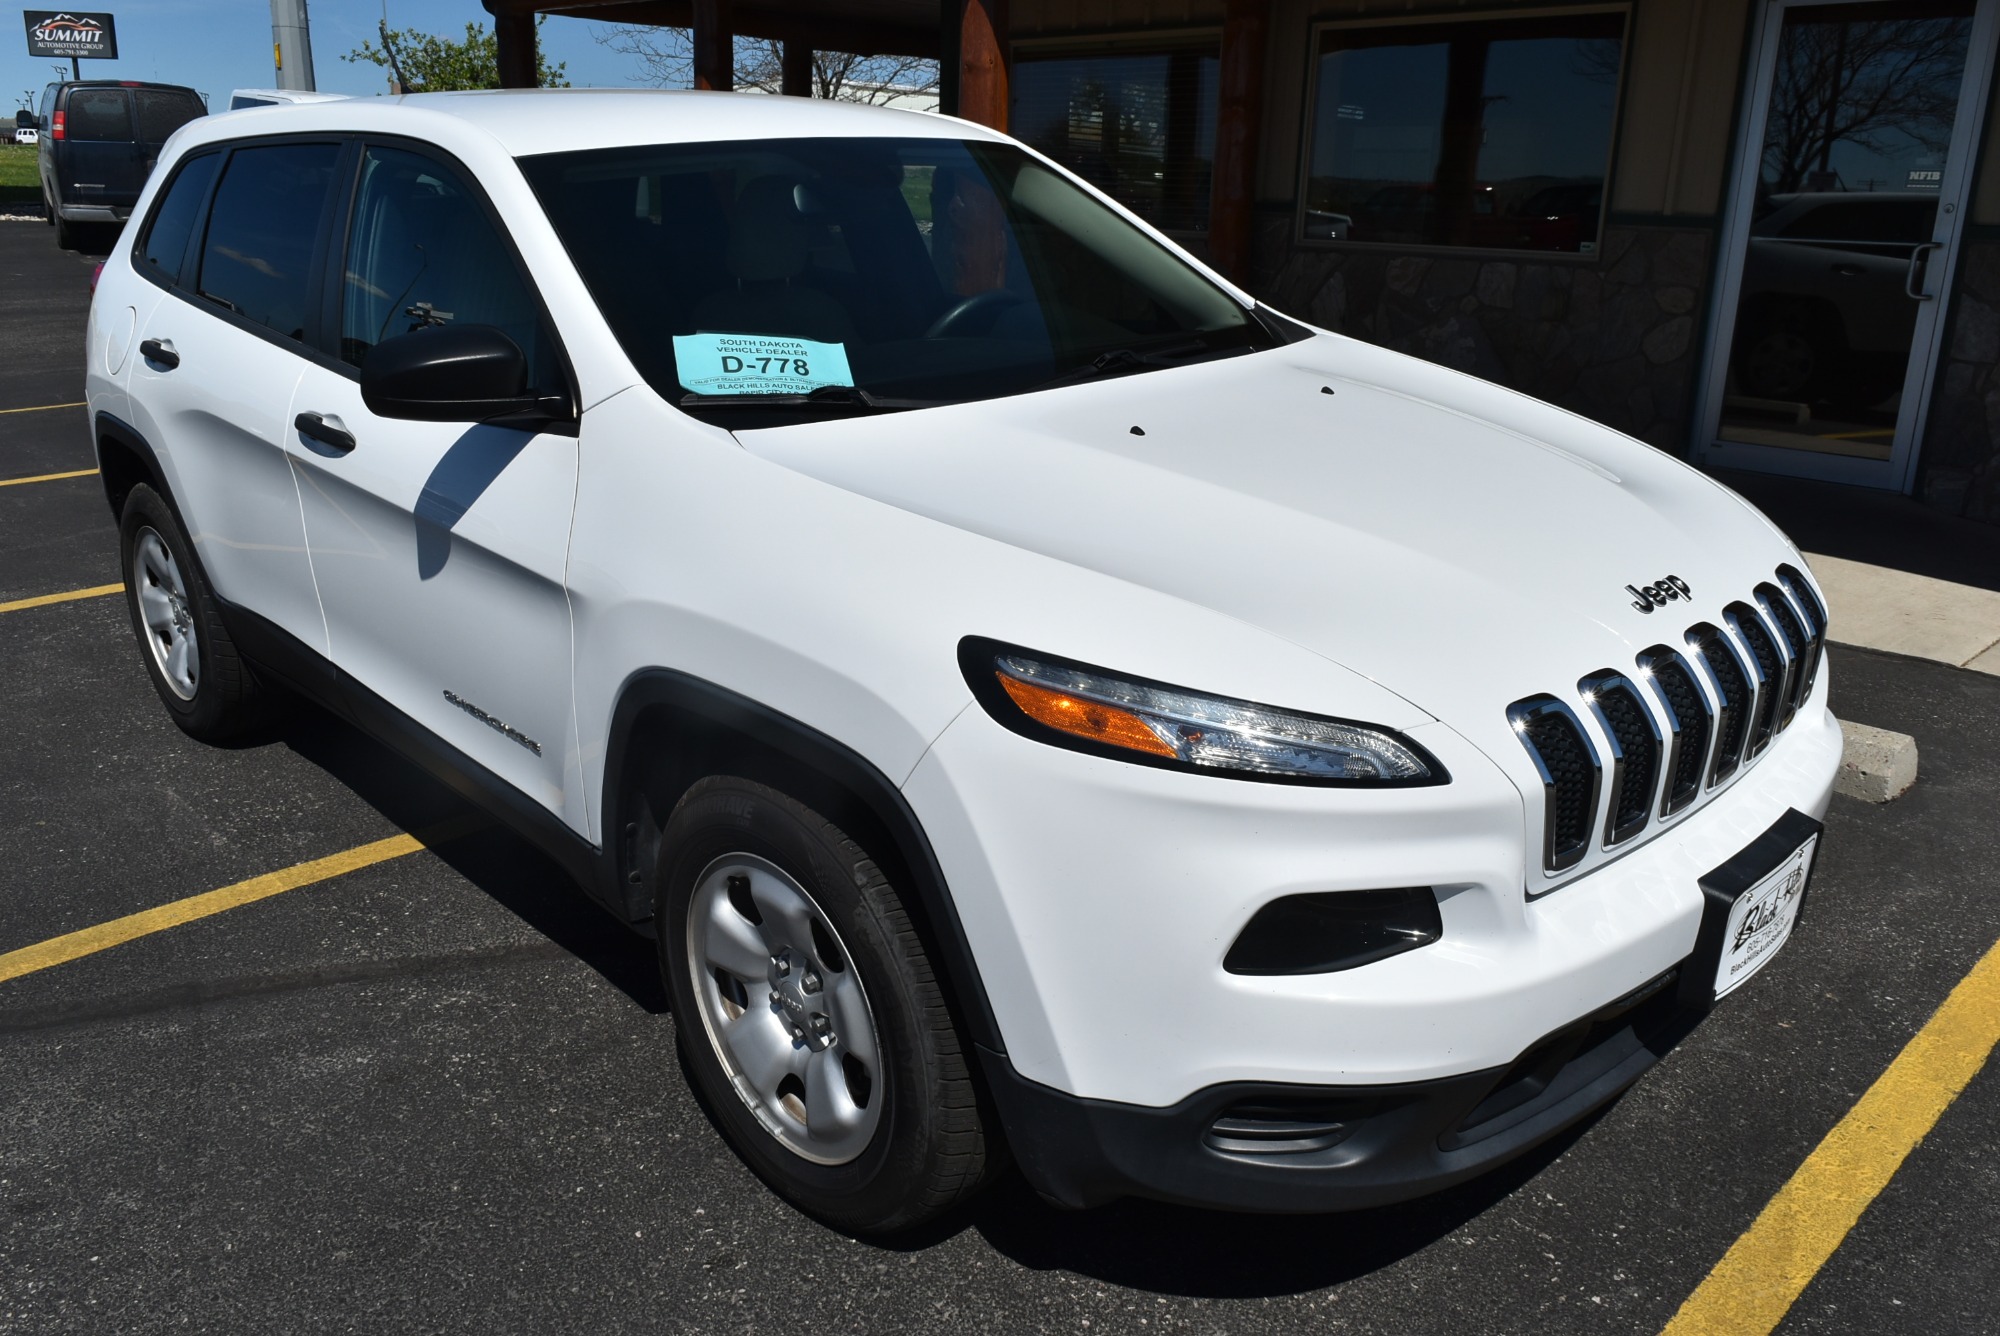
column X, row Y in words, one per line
column 1898, row 575
column 1879, row 608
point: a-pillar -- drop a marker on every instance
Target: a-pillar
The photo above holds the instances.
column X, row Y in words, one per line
column 796, row 70
column 1239, row 115
column 983, row 61
column 714, row 46
column 514, row 43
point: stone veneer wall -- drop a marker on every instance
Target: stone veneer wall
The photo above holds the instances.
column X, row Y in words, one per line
column 1959, row 470
column 1616, row 338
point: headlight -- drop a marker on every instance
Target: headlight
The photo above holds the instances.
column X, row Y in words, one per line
column 1090, row 710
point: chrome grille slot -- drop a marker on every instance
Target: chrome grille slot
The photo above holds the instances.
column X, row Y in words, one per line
column 1570, row 773
column 1768, row 666
column 1689, row 725
column 1635, row 752
column 1731, row 681
column 1792, row 639
column 1810, row 608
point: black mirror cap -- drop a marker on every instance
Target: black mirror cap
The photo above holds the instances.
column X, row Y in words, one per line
column 458, row 373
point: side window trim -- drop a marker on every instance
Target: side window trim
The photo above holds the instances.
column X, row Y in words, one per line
column 334, row 272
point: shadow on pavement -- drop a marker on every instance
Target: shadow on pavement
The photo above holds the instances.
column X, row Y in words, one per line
column 1189, row 1253
column 513, row 872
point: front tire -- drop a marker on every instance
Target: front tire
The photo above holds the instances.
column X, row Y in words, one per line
column 207, row 687
column 809, row 1014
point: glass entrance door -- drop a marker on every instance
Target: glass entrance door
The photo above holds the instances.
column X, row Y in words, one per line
column 1842, row 235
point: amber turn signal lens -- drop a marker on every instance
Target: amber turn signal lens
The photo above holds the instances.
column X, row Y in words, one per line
column 1087, row 719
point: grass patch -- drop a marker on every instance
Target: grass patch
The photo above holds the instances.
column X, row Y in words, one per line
column 19, row 183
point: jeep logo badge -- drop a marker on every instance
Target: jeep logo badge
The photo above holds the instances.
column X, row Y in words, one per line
column 1648, row 597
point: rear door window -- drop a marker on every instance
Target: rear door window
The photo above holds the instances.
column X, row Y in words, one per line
column 257, row 257
column 161, row 111
column 166, row 242
column 98, row 115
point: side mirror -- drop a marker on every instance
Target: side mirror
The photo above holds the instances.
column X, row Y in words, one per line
column 459, row 373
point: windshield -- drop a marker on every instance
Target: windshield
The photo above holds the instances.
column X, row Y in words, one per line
column 798, row 277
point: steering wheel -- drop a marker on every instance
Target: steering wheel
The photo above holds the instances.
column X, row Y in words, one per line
column 981, row 308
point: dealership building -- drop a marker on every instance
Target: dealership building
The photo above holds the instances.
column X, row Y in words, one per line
column 1762, row 235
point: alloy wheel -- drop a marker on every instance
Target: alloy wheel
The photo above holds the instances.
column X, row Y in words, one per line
column 784, row 1009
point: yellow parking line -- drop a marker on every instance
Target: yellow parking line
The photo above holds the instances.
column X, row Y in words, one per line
column 47, row 477
column 43, row 600
column 1763, row 1274
column 41, row 408
column 88, row 941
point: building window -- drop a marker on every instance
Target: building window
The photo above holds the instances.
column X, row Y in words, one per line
column 1140, row 126
column 1489, row 134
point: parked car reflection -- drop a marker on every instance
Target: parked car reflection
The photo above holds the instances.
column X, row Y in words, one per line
column 1828, row 307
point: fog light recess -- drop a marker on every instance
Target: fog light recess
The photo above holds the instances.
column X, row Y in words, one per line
column 1323, row 932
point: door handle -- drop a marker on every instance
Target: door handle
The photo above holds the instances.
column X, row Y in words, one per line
column 160, row 351
column 1917, row 265
column 326, row 430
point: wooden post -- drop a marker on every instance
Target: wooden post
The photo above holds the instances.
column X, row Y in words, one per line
column 983, row 61
column 714, row 46
column 1239, row 115
column 514, row 42
column 796, row 70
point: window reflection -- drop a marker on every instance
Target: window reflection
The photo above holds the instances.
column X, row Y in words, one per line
column 1492, row 135
column 1139, row 127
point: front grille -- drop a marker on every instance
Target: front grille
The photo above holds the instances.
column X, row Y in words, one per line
column 1635, row 752
column 1681, row 722
column 1688, row 725
column 1570, row 775
column 1768, row 666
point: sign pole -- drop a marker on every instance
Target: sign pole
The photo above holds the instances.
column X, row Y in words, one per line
column 75, row 71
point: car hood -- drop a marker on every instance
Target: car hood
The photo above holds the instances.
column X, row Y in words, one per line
column 1460, row 544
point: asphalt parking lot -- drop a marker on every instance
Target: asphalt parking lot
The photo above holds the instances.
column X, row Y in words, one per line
column 439, row 1092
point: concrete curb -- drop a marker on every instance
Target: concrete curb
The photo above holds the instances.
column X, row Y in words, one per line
column 1876, row 765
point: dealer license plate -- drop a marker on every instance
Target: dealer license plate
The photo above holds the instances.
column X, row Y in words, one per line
column 1761, row 919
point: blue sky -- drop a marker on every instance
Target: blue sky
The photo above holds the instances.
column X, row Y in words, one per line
column 217, row 45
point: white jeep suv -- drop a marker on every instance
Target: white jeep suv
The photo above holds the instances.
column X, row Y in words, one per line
column 1032, row 694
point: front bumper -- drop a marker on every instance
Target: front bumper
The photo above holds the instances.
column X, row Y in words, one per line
column 1259, row 1146
column 94, row 213
column 1267, row 1147
column 1099, row 900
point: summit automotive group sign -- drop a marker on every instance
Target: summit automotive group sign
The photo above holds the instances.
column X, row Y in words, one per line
column 72, row 34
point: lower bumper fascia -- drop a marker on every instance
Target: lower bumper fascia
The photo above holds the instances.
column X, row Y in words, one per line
column 1270, row 1147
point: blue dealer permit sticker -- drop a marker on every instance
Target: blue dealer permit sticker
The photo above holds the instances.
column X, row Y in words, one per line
column 758, row 364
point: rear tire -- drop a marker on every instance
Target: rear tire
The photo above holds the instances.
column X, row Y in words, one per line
column 809, row 1014
column 207, row 687
column 65, row 230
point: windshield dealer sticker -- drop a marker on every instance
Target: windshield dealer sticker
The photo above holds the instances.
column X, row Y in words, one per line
column 758, row 364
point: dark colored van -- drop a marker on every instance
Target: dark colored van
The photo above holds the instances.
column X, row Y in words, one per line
column 100, row 139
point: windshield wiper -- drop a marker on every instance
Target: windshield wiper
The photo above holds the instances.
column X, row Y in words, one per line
column 1120, row 360
column 838, row 396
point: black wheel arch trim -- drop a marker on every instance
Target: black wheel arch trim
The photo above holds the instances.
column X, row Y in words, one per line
column 106, row 427
column 885, row 820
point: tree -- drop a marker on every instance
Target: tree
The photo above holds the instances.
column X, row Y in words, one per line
column 430, row 64
column 668, row 57
column 1879, row 85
